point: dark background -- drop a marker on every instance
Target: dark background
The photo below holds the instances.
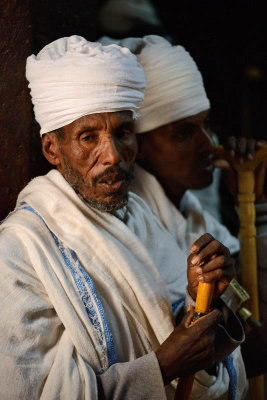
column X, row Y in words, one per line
column 226, row 39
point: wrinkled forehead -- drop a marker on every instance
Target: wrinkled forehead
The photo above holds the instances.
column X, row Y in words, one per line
column 105, row 122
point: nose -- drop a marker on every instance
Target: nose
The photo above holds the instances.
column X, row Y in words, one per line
column 206, row 141
column 111, row 154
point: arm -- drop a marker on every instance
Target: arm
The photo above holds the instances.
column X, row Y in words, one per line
column 38, row 353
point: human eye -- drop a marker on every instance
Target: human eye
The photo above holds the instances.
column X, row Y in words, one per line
column 88, row 137
column 125, row 133
column 184, row 132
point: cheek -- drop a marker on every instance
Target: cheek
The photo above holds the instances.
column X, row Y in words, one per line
column 84, row 158
column 130, row 150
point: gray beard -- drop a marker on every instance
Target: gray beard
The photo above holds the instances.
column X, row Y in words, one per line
column 106, row 207
column 76, row 181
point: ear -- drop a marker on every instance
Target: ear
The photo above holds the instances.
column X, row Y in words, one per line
column 50, row 148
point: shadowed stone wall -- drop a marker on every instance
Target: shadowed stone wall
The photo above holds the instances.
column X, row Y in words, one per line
column 15, row 107
column 25, row 28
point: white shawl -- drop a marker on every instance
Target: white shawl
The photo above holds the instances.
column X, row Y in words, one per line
column 186, row 225
column 106, row 285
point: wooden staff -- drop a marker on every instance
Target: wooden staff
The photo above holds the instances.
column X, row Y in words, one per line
column 203, row 300
column 246, row 199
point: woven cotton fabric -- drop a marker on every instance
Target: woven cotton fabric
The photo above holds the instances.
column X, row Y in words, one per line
column 72, row 77
column 175, row 88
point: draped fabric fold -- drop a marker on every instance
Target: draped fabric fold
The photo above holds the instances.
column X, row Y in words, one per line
column 72, row 77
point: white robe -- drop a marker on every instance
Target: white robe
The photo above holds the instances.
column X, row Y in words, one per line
column 82, row 295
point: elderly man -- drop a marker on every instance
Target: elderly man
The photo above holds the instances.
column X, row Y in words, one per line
column 89, row 274
column 176, row 153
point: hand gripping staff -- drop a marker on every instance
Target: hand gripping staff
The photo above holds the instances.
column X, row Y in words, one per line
column 203, row 300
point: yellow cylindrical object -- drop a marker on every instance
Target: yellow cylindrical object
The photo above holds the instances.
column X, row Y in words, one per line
column 204, row 296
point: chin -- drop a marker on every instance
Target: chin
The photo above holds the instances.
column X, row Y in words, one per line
column 107, row 205
column 202, row 182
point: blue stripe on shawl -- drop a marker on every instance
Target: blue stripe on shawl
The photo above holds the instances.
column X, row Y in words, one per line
column 86, row 297
column 229, row 364
column 177, row 303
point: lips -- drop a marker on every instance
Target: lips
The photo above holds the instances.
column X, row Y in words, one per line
column 112, row 182
column 206, row 163
column 207, row 167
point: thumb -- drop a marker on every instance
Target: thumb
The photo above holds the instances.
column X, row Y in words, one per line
column 221, row 164
column 188, row 317
column 210, row 320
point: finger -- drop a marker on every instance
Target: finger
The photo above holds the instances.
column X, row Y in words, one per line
column 241, row 145
column 220, row 261
column 222, row 164
column 201, row 242
column 218, row 274
column 225, row 250
column 209, row 321
column 214, row 247
column 251, row 144
column 188, row 316
column 260, row 144
column 230, row 145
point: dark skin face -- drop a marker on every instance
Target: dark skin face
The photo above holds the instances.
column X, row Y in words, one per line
column 179, row 154
column 96, row 156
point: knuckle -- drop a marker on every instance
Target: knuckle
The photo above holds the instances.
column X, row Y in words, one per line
column 219, row 273
column 209, row 236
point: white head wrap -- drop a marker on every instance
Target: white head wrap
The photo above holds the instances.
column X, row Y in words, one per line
column 71, row 77
column 175, row 88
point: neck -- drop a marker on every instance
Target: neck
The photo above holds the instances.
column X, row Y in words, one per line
column 173, row 192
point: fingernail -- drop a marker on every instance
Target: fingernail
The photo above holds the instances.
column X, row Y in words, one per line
column 195, row 260
column 198, row 270
column 250, row 156
column 200, row 278
column 193, row 248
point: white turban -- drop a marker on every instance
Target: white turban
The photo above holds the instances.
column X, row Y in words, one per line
column 71, row 77
column 175, row 88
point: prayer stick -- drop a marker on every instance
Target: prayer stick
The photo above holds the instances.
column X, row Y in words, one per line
column 203, row 300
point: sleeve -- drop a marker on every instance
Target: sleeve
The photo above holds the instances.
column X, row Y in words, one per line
column 133, row 380
column 38, row 359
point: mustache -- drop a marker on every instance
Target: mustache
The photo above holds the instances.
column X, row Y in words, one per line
column 115, row 171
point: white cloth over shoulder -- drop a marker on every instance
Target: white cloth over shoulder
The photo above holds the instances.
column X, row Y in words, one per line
column 72, row 77
column 175, row 87
column 82, row 293
column 186, row 225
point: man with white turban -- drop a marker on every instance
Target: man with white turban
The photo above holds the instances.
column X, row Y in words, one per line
column 89, row 274
column 176, row 153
